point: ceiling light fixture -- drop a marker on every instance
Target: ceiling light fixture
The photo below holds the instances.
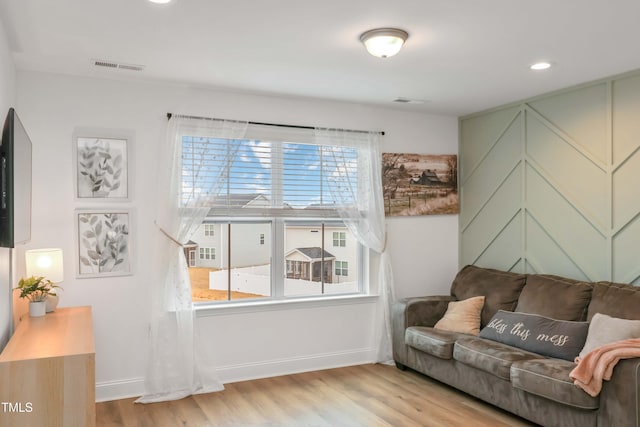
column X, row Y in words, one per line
column 160, row 1
column 384, row 42
column 540, row 66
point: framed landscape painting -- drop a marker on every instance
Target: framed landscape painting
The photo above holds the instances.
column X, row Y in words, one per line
column 103, row 242
column 420, row 184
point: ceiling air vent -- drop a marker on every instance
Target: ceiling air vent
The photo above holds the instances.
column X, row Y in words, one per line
column 116, row 65
column 401, row 100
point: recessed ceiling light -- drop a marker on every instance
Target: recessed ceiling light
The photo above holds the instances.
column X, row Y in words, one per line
column 539, row 66
column 160, row 1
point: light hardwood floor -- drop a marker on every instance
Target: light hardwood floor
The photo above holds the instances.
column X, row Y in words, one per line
column 365, row 395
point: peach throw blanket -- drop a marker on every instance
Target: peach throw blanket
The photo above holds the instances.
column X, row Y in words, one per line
column 598, row 364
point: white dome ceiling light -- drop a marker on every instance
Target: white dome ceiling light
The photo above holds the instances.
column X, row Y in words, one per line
column 384, row 42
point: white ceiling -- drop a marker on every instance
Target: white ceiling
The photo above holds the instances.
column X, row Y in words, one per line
column 462, row 55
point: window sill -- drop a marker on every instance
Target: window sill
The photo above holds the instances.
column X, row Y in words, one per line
column 205, row 310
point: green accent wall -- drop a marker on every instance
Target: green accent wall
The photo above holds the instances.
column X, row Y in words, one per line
column 552, row 184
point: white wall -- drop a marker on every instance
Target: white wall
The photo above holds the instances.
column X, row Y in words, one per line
column 249, row 344
column 7, row 99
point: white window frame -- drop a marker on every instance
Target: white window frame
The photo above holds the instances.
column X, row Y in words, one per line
column 342, row 242
column 206, row 253
column 278, row 265
column 342, row 268
column 209, row 229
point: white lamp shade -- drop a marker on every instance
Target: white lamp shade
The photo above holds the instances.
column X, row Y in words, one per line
column 384, row 42
column 46, row 263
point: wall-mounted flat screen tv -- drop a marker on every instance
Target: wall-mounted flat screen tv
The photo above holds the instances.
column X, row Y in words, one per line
column 15, row 183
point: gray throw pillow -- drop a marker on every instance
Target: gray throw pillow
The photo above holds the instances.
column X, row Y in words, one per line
column 605, row 329
column 561, row 339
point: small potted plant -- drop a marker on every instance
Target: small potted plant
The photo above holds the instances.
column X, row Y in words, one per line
column 36, row 289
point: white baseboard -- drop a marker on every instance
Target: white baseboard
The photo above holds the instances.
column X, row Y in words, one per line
column 124, row 389
column 114, row 390
column 274, row 368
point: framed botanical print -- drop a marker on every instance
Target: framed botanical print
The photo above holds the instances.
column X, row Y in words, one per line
column 102, row 168
column 103, row 242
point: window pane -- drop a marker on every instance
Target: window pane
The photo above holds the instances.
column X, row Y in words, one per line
column 262, row 174
column 311, row 269
column 238, row 172
column 250, row 274
column 307, row 168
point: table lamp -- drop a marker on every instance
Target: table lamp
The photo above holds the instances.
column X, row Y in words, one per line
column 48, row 264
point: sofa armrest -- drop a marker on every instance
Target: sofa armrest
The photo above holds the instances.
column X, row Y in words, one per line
column 620, row 397
column 421, row 311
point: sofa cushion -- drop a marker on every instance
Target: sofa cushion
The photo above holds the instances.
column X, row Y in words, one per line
column 616, row 300
column 500, row 289
column 489, row 356
column 549, row 378
column 435, row 342
column 555, row 297
column 549, row 337
column 462, row 316
column 605, row 329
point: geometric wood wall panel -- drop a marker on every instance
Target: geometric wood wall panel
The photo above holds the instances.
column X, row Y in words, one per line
column 504, row 251
column 626, row 250
column 482, row 133
column 580, row 180
column 581, row 241
column 570, row 201
column 567, row 111
column 489, row 175
column 493, row 224
column 626, row 125
column 546, row 255
column 626, row 195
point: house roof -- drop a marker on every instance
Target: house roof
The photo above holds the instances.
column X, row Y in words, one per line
column 190, row 244
column 313, row 253
column 235, row 200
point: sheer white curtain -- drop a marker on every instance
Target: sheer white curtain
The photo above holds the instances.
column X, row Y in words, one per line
column 176, row 365
column 360, row 204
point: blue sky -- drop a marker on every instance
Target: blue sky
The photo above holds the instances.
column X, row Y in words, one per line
column 256, row 168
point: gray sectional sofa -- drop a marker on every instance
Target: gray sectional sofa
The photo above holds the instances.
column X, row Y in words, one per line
column 526, row 383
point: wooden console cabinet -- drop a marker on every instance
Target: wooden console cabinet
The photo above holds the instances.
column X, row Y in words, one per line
column 47, row 371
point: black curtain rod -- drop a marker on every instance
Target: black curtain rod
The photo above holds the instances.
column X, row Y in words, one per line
column 169, row 115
